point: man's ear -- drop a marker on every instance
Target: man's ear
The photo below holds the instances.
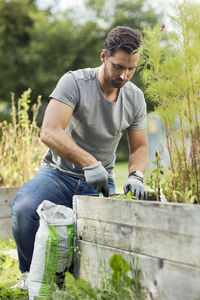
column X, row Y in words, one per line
column 103, row 55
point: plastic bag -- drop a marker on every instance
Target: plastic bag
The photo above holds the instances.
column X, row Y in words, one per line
column 53, row 248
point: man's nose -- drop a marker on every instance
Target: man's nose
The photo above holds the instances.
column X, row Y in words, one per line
column 124, row 75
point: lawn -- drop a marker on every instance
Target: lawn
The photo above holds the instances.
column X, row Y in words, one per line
column 121, row 175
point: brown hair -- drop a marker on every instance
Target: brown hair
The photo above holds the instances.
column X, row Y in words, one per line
column 124, row 38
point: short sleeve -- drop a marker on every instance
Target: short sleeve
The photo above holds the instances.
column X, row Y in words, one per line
column 67, row 90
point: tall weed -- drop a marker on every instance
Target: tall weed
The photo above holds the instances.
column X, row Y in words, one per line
column 21, row 150
column 171, row 74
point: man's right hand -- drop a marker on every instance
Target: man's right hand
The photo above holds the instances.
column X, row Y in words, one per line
column 97, row 176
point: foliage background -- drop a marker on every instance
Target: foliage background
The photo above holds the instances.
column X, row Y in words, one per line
column 38, row 46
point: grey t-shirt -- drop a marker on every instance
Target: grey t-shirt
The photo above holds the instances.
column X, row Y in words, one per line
column 96, row 124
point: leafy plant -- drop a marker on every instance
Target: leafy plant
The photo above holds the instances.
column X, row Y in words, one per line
column 122, row 196
column 21, row 150
column 127, row 287
column 171, row 75
column 9, row 272
column 8, row 294
column 124, row 281
column 155, row 179
column 118, row 286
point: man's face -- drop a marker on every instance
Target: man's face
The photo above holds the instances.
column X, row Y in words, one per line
column 119, row 68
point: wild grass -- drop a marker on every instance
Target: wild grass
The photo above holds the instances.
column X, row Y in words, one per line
column 21, row 150
column 9, row 271
column 171, row 75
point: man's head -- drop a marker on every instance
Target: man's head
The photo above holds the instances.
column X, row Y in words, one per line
column 120, row 55
column 124, row 38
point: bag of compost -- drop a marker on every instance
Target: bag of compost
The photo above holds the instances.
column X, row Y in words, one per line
column 53, row 248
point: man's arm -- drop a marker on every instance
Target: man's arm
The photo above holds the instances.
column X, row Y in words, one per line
column 56, row 118
column 138, row 150
column 138, row 158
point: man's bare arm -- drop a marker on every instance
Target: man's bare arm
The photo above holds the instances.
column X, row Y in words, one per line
column 56, row 118
column 138, row 150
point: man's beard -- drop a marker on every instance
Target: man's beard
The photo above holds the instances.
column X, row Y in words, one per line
column 117, row 83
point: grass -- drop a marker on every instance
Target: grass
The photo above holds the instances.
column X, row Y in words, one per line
column 9, row 265
column 121, row 175
column 9, row 272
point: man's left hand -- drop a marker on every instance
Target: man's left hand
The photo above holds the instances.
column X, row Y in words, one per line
column 136, row 187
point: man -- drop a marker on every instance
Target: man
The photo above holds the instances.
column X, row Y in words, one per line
column 88, row 111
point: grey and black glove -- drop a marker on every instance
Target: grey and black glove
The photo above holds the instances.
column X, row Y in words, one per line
column 135, row 185
column 97, row 176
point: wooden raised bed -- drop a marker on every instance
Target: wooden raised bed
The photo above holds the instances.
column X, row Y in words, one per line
column 164, row 236
column 6, row 196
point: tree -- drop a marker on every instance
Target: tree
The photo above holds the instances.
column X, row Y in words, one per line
column 15, row 22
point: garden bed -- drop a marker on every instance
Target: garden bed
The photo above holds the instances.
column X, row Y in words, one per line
column 165, row 237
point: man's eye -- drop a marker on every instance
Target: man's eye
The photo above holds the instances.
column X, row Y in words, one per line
column 132, row 68
column 119, row 67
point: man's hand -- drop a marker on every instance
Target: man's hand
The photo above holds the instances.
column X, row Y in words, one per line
column 136, row 187
column 97, row 176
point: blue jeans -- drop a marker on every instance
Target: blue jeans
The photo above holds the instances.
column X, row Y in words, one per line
column 48, row 184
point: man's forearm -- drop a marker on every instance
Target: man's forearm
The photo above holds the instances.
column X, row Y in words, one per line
column 138, row 160
column 64, row 146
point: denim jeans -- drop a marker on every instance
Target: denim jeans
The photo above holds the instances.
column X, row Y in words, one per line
column 48, row 184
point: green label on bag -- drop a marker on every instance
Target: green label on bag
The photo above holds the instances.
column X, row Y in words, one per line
column 51, row 260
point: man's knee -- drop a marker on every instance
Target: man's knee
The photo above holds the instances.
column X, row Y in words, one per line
column 23, row 208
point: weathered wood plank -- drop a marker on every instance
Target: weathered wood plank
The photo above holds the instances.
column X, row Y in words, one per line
column 7, row 194
column 5, row 228
column 6, row 197
column 162, row 244
column 5, row 211
column 170, row 217
column 164, row 280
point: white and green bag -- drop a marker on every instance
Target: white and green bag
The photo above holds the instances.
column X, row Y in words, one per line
column 53, row 248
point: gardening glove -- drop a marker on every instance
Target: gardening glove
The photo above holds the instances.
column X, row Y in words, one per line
column 97, row 176
column 135, row 185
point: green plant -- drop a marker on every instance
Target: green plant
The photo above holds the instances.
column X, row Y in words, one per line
column 8, row 294
column 155, row 179
column 9, row 272
column 123, row 281
column 120, row 284
column 122, row 196
column 7, row 244
column 127, row 287
column 21, row 150
column 171, row 74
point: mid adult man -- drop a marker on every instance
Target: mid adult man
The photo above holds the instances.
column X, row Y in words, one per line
column 88, row 111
